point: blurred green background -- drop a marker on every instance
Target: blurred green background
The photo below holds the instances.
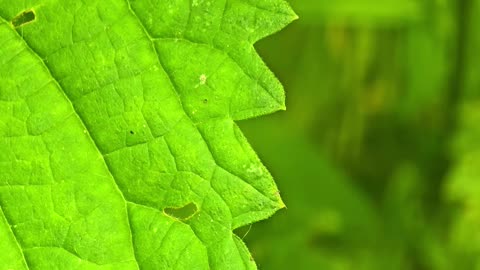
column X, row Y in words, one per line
column 378, row 154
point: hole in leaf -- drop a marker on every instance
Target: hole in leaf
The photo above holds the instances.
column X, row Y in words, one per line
column 131, row 132
column 182, row 213
column 205, row 101
column 23, row 18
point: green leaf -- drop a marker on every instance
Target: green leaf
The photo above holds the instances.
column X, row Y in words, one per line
column 118, row 144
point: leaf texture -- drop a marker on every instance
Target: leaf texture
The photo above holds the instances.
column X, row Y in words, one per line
column 117, row 116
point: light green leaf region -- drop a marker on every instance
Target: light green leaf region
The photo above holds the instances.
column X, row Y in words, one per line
column 118, row 147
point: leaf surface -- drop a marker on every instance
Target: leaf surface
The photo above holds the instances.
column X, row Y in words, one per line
column 118, row 144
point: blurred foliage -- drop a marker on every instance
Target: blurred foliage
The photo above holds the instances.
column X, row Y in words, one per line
column 378, row 153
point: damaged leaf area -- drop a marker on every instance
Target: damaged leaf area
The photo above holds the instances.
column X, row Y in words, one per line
column 118, row 142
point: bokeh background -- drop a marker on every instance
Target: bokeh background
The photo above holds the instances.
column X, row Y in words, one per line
column 378, row 154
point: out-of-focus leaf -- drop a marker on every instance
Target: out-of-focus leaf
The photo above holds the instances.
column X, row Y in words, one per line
column 362, row 12
column 329, row 223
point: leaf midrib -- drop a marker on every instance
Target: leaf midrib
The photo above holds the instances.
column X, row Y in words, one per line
column 2, row 215
column 54, row 80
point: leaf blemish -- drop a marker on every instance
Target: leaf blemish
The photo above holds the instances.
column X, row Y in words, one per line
column 131, row 132
column 182, row 213
column 203, row 79
column 23, row 18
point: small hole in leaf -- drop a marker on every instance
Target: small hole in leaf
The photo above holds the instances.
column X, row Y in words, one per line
column 23, row 18
column 131, row 132
column 182, row 213
column 205, row 101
